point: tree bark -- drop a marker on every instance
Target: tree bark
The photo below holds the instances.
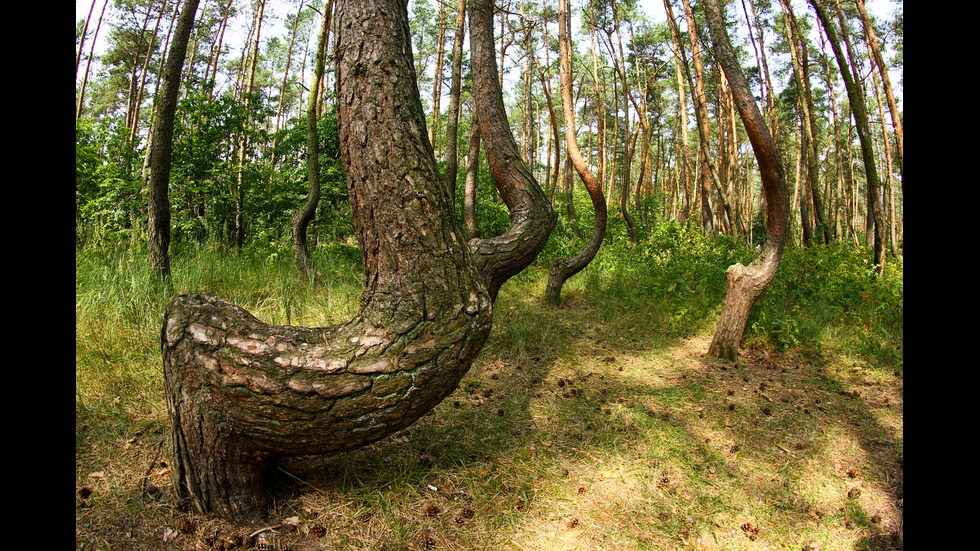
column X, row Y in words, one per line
column 532, row 216
column 855, row 97
column 241, row 393
column 158, row 209
column 746, row 283
column 564, row 268
column 452, row 125
column 303, row 217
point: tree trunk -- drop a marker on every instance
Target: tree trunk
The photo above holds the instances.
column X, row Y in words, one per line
column 437, row 78
column 872, row 39
column 855, row 96
column 243, row 139
column 470, row 186
column 801, row 66
column 564, row 268
column 531, row 215
column 452, row 125
column 620, row 65
column 683, row 164
column 303, row 217
column 241, row 393
column 91, row 54
column 709, row 172
column 746, row 283
column 158, row 228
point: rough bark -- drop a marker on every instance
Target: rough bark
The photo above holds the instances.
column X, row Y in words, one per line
column 531, row 215
column 303, row 217
column 158, row 211
column 564, row 268
column 241, row 393
column 746, row 283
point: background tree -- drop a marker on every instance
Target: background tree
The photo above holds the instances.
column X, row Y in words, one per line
column 855, row 96
column 158, row 231
column 302, row 218
column 563, row 268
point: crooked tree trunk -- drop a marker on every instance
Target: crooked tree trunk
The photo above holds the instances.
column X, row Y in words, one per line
column 564, row 268
column 241, row 392
column 531, row 215
column 746, row 283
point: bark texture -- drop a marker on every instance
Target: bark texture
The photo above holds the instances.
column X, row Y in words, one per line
column 241, row 393
column 746, row 283
column 531, row 215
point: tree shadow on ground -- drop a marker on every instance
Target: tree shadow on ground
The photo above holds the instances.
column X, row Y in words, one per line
column 569, row 426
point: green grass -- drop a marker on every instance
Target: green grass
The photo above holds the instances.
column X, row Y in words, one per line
column 599, row 424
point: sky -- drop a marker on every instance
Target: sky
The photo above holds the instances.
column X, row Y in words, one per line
column 882, row 9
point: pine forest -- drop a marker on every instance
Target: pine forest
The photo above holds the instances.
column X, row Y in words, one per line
column 565, row 274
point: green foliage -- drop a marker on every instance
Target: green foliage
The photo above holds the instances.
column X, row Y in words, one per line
column 829, row 295
column 108, row 196
column 204, row 181
column 823, row 298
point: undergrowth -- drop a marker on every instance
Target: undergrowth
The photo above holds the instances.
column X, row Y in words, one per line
column 595, row 424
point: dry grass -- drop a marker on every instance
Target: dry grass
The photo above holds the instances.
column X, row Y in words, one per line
column 570, row 432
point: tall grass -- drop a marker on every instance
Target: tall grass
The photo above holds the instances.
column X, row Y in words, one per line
column 119, row 307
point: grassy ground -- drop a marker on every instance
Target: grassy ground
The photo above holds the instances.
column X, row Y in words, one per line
column 596, row 425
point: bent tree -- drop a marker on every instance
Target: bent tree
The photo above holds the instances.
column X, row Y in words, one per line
column 241, row 393
column 564, row 268
column 746, row 283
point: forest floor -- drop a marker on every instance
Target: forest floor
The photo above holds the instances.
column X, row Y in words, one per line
column 569, row 433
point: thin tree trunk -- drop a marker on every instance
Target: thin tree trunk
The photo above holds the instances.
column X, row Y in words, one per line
column 158, row 229
column 855, row 96
column 88, row 64
column 452, row 125
column 709, row 172
column 142, row 81
column 282, row 87
column 624, row 194
column 810, row 142
column 563, row 268
column 243, row 140
column 746, row 283
column 437, row 79
column 303, row 217
column 470, row 186
column 872, row 39
column 81, row 40
column 683, row 164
